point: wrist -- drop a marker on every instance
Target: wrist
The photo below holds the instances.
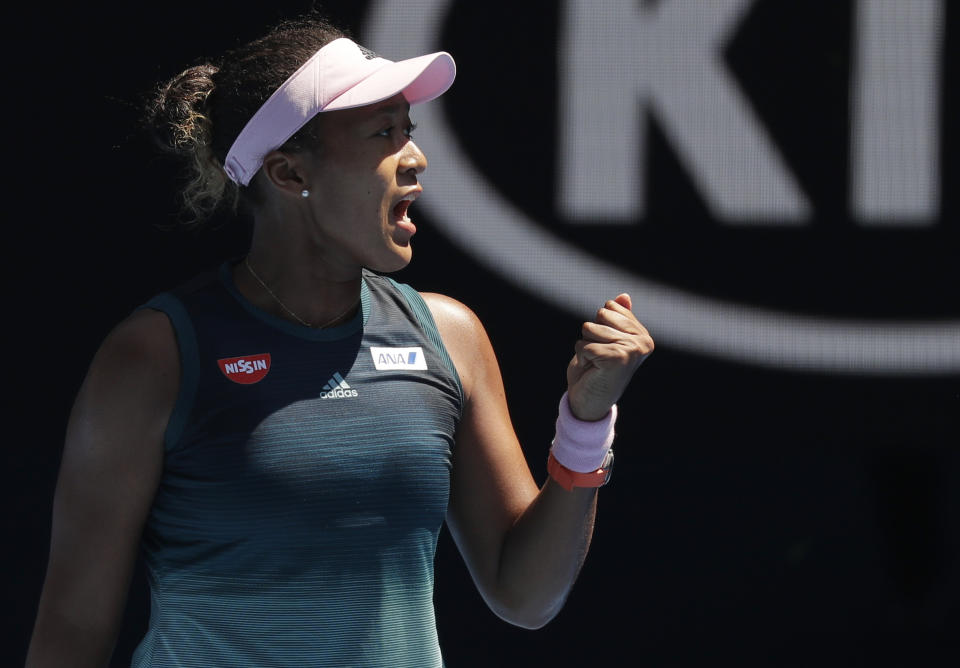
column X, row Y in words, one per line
column 585, row 414
column 581, row 445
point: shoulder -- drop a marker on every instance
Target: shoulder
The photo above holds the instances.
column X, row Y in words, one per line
column 144, row 338
column 140, row 355
column 453, row 318
column 117, row 424
column 465, row 339
column 458, row 325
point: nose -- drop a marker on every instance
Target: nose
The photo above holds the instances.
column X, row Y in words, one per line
column 412, row 159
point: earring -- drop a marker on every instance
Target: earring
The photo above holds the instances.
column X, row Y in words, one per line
column 304, row 193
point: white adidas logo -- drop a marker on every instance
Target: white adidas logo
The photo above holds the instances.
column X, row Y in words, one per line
column 337, row 388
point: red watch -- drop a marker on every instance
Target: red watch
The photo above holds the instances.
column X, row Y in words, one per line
column 569, row 479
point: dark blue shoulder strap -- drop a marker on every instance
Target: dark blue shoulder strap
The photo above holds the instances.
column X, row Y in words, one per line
column 425, row 318
column 174, row 309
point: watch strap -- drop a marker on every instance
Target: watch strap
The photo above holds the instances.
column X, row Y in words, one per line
column 569, row 479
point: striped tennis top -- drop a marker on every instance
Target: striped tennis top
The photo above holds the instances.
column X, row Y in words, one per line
column 306, row 478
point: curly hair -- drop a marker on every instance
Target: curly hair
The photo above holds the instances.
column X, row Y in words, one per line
column 199, row 113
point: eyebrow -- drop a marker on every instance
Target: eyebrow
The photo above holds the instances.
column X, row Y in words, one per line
column 403, row 107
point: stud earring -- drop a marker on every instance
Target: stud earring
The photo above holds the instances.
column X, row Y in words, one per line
column 304, row 193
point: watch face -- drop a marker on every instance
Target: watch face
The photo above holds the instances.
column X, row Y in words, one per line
column 607, row 466
column 607, row 460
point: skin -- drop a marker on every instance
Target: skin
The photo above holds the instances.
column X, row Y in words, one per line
column 522, row 544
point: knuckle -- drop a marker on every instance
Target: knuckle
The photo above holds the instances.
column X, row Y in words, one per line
column 642, row 346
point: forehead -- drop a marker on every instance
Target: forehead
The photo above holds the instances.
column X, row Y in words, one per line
column 396, row 106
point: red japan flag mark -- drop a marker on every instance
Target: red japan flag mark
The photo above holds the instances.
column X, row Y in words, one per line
column 245, row 370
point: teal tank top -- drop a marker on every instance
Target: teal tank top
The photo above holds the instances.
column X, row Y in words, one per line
column 306, row 478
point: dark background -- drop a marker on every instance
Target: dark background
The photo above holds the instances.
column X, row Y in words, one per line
column 766, row 517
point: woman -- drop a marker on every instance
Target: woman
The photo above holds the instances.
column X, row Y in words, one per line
column 285, row 437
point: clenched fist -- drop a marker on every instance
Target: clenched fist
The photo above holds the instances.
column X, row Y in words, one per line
column 610, row 349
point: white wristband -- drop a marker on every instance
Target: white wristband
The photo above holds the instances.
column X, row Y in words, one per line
column 582, row 445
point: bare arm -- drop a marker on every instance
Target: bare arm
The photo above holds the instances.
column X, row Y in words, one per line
column 524, row 546
column 111, row 466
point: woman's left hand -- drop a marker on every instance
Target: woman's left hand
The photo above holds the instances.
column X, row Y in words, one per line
column 610, row 350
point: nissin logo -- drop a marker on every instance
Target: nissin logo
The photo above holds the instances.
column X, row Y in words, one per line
column 393, row 359
column 245, row 370
column 762, row 200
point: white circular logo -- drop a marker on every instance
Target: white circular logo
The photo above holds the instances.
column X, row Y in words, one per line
column 463, row 203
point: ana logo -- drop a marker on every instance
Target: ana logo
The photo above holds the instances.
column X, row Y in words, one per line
column 391, row 359
column 337, row 388
column 245, row 370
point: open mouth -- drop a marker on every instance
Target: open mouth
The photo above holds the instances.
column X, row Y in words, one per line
column 400, row 210
column 401, row 218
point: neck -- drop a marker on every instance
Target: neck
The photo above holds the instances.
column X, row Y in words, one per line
column 307, row 288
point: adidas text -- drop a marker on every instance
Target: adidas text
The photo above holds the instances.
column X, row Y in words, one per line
column 338, row 393
column 337, row 388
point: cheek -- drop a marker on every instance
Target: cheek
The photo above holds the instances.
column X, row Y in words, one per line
column 358, row 190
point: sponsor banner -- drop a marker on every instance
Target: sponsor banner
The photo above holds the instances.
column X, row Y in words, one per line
column 657, row 149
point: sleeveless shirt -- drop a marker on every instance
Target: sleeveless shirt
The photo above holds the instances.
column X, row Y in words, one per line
column 305, row 481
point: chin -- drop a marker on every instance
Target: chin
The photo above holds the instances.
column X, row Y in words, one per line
column 395, row 262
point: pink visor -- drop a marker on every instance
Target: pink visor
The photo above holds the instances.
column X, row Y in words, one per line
column 341, row 75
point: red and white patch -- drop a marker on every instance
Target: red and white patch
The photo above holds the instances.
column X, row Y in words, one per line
column 245, row 370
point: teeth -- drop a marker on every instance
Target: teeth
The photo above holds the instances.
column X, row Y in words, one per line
column 408, row 199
